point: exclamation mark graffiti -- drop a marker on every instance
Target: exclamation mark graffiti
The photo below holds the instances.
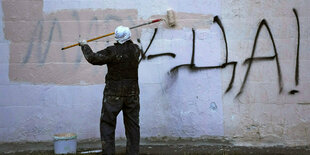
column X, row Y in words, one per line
column 297, row 54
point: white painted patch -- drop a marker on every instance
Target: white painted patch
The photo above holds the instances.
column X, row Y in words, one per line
column 5, row 55
column 38, row 112
column 180, row 105
column 169, row 107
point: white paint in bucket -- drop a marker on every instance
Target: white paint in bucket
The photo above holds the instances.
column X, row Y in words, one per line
column 65, row 143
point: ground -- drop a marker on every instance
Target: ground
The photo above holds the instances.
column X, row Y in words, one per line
column 190, row 149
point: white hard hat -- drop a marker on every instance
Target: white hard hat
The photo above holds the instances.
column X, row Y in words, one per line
column 122, row 34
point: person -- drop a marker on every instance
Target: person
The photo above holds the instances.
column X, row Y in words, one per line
column 121, row 91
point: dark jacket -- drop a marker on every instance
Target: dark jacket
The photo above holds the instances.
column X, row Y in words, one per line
column 122, row 61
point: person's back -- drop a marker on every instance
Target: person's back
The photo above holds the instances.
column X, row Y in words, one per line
column 122, row 76
column 121, row 91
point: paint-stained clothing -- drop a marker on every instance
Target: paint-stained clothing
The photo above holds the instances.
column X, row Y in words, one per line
column 130, row 106
column 121, row 93
column 122, row 61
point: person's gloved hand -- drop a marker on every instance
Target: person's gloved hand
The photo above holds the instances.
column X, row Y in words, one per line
column 83, row 42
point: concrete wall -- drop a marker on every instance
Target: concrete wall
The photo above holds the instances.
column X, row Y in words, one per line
column 249, row 97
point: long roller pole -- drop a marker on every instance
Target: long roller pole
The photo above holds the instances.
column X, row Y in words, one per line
column 90, row 40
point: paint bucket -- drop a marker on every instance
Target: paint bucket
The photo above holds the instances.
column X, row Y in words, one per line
column 65, row 143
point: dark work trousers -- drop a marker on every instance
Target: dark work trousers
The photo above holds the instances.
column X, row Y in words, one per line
column 111, row 107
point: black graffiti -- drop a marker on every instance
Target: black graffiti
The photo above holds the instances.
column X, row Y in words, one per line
column 293, row 92
column 219, row 22
column 259, row 59
column 162, row 54
column 234, row 63
column 141, row 51
column 297, row 54
column 42, row 54
column 247, row 61
column 271, row 58
column 143, row 54
column 193, row 67
column 193, row 49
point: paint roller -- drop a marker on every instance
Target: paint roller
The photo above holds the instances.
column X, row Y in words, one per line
column 170, row 21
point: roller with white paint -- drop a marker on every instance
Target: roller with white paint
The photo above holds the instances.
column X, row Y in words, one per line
column 170, row 20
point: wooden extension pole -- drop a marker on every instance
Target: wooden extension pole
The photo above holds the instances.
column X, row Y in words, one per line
column 90, row 40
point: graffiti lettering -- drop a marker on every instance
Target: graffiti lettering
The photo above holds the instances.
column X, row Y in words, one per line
column 297, row 54
column 55, row 26
column 143, row 54
column 248, row 61
column 193, row 67
column 252, row 59
column 162, row 54
column 39, row 27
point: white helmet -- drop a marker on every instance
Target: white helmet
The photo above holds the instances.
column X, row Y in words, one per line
column 122, row 34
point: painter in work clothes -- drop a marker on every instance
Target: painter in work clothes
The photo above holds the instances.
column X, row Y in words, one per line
column 121, row 91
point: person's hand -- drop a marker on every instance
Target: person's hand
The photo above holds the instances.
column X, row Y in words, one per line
column 83, row 42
